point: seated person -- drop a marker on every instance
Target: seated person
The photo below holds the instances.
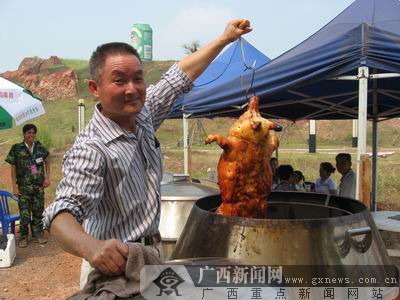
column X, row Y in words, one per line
column 298, row 181
column 325, row 184
column 274, row 165
column 284, row 173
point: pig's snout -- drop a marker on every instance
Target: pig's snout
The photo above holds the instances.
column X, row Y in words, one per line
column 255, row 124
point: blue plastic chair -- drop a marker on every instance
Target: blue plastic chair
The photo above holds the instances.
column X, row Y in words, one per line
column 7, row 220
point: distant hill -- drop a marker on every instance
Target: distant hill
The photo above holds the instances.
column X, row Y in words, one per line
column 153, row 72
column 47, row 78
column 59, row 78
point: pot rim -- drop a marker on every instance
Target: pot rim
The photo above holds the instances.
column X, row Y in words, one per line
column 362, row 211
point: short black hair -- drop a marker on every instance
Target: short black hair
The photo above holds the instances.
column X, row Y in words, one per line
column 344, row 156
column 299, row 174
column 328, row 167
column 28, row 127
column 284, row 172
column 96, row 62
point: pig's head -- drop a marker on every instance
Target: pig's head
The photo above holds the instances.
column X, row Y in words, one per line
column 251, row 126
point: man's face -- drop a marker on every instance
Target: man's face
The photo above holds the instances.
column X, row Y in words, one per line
column 121, row 88
column 30, row 136
column 342, row 165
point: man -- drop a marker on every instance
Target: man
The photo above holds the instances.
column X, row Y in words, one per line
column 113, row 171
column 30, row 174
column 347, row 186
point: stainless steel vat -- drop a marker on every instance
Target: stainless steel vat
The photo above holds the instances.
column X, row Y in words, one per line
column 300, row 229
column 167, row 177
column 177, row 199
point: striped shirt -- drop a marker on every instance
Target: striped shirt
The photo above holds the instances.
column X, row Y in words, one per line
column 111, row 177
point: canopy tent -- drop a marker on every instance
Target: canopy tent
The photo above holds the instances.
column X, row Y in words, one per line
column 359, row 46
column 299, row 84
column 238, row 59
column 230, row 66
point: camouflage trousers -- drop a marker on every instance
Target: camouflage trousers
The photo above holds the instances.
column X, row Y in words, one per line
column 31, row 207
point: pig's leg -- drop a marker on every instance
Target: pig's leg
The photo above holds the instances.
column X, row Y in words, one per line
column 273, row 143
column 222, row 141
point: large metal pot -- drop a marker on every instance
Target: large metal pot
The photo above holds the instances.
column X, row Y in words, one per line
column 177, row 199
column 167, row 177
column 299, row 229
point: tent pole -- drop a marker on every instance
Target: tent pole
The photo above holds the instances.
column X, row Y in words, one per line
column 81, row 115
column 277, row 154
column 312, row 137
column 374, row 164
column 363, row 74
column 355, row 134
column 374, row 146
column 185, row 144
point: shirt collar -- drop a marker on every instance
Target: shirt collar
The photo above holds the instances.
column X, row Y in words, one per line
column 346, row 174
column 108, row 130
column 27, row 146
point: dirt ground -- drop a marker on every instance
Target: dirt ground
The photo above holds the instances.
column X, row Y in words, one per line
column 40, row 272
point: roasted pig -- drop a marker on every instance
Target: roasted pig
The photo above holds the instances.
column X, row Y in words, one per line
column 244, row 173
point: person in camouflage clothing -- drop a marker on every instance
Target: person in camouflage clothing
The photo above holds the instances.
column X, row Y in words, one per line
column 30, row 174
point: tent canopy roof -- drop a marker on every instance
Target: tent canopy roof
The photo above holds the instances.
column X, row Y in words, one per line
column 229, row 65
column 299, row 84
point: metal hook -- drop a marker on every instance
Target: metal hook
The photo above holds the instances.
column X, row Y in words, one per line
column 251, row 85
column 248, row 67
column 244, row 58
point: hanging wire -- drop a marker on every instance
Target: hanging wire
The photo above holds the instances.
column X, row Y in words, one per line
column 248, row 67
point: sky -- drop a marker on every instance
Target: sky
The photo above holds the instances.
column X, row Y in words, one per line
column 74, row 28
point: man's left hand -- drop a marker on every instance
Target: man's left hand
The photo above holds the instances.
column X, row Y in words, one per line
column 235, row 29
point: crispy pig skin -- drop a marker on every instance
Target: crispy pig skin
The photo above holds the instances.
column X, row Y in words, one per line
column 244, row 173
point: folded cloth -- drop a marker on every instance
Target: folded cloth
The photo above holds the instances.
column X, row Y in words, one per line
column 127, row 285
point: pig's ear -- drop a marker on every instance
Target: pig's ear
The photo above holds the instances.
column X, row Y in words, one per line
column 275, row 127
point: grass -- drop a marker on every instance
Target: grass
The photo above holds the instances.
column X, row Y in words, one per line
column 81, row 68
column 76, row 64
column 56, row 68
column 58, row 128
column 153, row 71
column 205, row 162
column 59, row 125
